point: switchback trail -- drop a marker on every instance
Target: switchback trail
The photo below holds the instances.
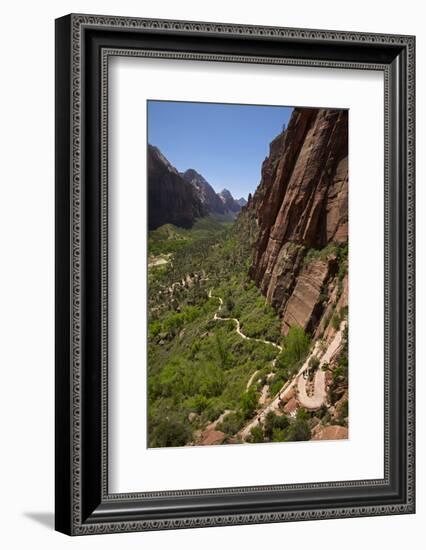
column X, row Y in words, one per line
column 240, row 333
column 312, row 402
column 318, row 397
column 216, row 317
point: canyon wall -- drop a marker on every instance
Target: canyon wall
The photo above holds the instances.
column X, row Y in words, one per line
column 171, row 199
column 181, row 198
column 301, row 210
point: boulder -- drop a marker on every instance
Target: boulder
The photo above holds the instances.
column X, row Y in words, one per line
column 331, row 433
column 211, row 437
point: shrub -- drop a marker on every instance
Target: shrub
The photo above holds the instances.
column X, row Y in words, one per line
column 296, row 347
column 274, row 423
column 279, row 435
column 225, row 360
column 344, row 410
column 332, row 249
column 326, row 419
column 213, row 410
column 229, row 304
column 231, row 424
column 207, row 380
column 337, row 373
column 170, row 433
column 335, row 321
column 154, row 329
column 197, row 403
column 322, row 412
column 256, row 435
column 299, row 428
column 248, row 403
column 343, row 268
column 313, row 362
column 195, row 348
column 278, row 382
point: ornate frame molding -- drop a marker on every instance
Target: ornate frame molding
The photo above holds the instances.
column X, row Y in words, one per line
column 73, row 517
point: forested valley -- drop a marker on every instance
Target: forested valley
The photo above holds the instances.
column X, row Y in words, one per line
column 248, row 314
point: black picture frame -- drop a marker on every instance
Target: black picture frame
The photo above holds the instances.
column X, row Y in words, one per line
column 83, row 45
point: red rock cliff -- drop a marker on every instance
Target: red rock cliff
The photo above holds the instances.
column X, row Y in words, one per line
column 301, row 205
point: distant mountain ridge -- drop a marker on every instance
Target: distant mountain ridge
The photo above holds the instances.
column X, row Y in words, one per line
column 181, row 197
column 210, row 199
column 171, row 199
column 229, row 202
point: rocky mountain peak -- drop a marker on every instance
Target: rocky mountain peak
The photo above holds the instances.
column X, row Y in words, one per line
column 229, row 201
column 207, row 194
column 159, row 157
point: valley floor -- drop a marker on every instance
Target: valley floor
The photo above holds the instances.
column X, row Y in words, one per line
column 219, row 370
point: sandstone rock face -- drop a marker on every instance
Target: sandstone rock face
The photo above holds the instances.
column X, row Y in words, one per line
column 300, row 308
column 302, row 204
column 171, row 199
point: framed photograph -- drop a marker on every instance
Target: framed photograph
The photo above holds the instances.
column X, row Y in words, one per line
column 234, row 274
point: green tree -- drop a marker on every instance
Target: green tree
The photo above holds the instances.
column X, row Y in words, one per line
column 256, row 435
column 222, row 353
column 314, row 363
column 299, row 428
column 170, row 433
column 229, row 303
column 248, row 402
column 279, row 435
column 296, row 347
column 274, row 423
column 231, row 424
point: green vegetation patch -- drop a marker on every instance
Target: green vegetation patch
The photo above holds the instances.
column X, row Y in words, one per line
column 296, row 347
column 282, row 428
column 169, row 238
column 198, row 367
column 338, row 250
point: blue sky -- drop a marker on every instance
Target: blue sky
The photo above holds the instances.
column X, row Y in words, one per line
column 225, row 143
